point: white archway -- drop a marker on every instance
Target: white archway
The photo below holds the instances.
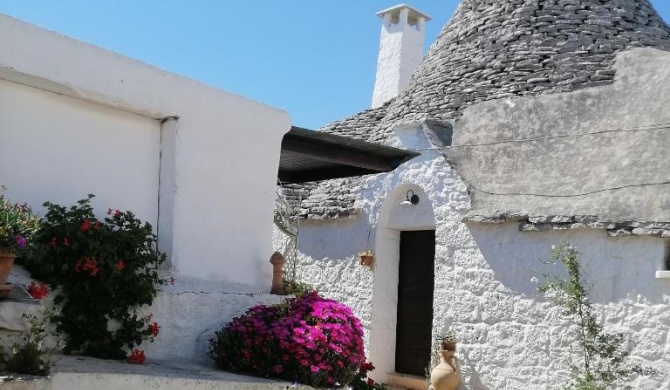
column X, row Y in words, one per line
column 393, row 218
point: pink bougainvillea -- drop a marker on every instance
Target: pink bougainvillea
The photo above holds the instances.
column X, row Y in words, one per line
column 312, row 340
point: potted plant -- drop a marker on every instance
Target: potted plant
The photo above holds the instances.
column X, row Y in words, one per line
column 366, row 258
column 17, row 225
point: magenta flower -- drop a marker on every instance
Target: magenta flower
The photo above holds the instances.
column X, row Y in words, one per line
column 20, row 242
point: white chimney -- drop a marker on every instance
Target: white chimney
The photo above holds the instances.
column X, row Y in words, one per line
column 400, row 50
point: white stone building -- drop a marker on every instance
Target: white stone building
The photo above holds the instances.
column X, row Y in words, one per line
column 537, row 122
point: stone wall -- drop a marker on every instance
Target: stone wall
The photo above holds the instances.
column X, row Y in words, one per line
column 218, row 141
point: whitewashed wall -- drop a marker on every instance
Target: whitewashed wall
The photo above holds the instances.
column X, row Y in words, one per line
column 221, row 154
column 200, row 164
column 510, row 336
column 60, row 149
column 400, row 53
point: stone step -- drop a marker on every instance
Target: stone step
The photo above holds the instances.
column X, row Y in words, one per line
column 404, row 382
column 83, row 373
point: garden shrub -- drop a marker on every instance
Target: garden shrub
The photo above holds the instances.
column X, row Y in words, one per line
column 311, row 340
column 27, row 355
column 604, row 358
column 101, row 272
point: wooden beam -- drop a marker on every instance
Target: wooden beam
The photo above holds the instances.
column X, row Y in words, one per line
column 324, row 152
column 322, row 174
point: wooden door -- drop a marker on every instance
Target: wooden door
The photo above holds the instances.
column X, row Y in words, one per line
column 415, row 302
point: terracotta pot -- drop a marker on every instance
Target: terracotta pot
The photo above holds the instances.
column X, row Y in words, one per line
column 447, row 374
column 6, row 263
column 5, row 289
column 366, row 259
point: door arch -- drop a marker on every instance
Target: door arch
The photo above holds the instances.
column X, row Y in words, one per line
column 393, row 219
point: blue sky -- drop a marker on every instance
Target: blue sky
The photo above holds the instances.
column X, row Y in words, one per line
column 315, row 59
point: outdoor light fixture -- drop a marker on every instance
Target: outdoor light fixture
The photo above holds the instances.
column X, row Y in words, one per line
column 410, row 200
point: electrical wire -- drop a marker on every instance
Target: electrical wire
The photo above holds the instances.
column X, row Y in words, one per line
column 665, row 126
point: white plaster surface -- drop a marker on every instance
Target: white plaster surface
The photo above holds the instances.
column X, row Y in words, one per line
column 60, row 149
column 224, row 157
column 510, row 336
column 400, row 53
column 190, row 312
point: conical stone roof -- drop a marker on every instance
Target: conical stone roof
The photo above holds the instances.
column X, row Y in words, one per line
column 503, row 48
column 494, row 49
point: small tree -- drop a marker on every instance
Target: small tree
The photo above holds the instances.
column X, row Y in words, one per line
column 603, row 354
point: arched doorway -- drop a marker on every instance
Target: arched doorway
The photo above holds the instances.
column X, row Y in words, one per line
column 401, row 325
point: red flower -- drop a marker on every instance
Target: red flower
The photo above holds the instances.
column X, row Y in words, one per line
column 53, row 242
column 172, row 280
column 371, row 382
column 136, row 357
column 120, row 265
column 86, row 225
column 154, row 329
column 89, row 264
column 96, row 226
column 117, row 213
column 38, row 291
column 109, row 211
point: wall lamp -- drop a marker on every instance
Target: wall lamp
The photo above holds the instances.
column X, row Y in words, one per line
column 411, row 199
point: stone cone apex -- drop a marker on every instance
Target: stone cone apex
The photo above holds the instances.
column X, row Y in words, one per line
column 506, row 48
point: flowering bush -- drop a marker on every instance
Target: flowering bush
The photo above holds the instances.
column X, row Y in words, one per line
column 312, row 340
column 104, row 269
column 17, row 225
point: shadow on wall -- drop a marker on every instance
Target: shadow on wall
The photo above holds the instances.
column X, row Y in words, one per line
column 474, row 378
column 617, row 268
column 337, row 240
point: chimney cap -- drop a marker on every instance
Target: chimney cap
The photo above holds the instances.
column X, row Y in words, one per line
column 413, row 12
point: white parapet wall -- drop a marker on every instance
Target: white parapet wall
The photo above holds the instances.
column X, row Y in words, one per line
column 198, row 163
column 76, row 119
column 56, row 148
